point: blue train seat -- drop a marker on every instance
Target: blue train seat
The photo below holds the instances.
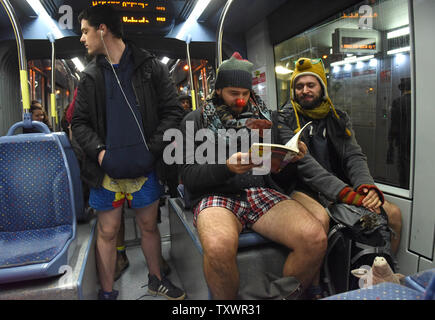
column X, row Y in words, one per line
column 37, row 204
column 415, row 287
column 259, row 259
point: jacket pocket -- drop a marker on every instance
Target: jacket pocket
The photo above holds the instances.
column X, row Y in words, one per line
column 128, row 162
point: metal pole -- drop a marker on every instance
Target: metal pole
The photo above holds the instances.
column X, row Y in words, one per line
column 22, row 62
column 192, row 85
column 53, row 82
column 220, row 32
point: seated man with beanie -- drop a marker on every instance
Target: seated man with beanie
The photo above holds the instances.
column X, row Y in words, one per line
column 335, row 169
column 227, row 196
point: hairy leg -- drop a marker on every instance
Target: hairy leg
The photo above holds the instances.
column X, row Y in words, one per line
column 107, row 230
column 146, row 219
column 319, row 212
column 219, row 231
column 395, row 222
column 313, row 207
column 290, row 224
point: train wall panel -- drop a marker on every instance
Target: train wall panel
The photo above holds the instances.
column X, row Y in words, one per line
column 423, row 212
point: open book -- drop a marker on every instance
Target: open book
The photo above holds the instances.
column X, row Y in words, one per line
column 279, row 155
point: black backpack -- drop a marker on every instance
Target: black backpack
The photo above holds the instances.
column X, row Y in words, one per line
column 356, row 237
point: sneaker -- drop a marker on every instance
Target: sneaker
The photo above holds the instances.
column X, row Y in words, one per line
column 107, row 295
column 122, row 263
column 164, row 288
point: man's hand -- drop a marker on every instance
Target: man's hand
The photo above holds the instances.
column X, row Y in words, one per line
column 101, row 156
column 234, row 163
column 302, row 152
column 371, row 200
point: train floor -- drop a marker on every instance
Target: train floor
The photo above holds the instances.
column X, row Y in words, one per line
column 132, row 285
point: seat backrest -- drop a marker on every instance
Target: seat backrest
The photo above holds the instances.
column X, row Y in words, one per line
column 34, row 183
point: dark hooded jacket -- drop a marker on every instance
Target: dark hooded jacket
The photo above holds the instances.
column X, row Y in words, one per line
column 156, row 100
column 350, row 163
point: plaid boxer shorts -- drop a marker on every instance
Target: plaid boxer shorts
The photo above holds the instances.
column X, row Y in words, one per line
column 258, row 201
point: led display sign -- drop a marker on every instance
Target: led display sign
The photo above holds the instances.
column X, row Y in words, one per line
column 357, row 41
column 151, row 12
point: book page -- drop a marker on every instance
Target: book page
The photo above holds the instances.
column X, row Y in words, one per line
column 292, row 144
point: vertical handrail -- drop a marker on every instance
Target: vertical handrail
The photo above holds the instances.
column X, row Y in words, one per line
column 220, row 32
column 22, row 62
column 53, row 110
column 192, row 87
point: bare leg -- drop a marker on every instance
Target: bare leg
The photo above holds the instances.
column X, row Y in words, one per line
column 319, row 212
column 290, row 224
column 219, row 231
column 146, row 218
column 121, row 233
column 313, row 207
column 108, row 227
column 395, row 222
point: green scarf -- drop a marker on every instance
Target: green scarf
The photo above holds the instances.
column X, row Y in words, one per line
column 319, row 112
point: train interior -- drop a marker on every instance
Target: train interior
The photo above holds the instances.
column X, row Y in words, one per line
column 373, row 51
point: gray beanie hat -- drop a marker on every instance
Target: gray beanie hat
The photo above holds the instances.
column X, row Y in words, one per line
column 234, row 72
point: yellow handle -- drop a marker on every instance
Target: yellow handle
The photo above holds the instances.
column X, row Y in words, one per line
column 192, row 93
column 53, row 106
column 25, row 90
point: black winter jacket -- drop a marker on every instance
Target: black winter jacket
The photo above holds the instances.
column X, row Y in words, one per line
column 352, row 166
column 157, row 99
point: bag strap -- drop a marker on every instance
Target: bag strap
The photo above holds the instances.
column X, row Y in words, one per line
column 368, row 250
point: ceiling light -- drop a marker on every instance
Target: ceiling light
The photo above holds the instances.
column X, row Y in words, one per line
column 194, row 15
column 282, row 70
column 39, row 9
column 398, row 33
column 399, row 50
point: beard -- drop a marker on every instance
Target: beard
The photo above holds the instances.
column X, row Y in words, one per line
column 309, row 104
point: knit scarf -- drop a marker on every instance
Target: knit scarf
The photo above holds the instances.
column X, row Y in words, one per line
column 223, row 117
column 319, row 112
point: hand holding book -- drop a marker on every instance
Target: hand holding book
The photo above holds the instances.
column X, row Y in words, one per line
column 280, row 155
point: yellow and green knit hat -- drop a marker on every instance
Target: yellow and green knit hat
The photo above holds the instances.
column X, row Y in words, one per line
column 312, row 67
column 309, row 67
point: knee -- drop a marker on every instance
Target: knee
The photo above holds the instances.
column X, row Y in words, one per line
column 394, row 215
column 108, row 232
column 147, row 227
column 323, row 217
column 219, row 250
column 314, row 240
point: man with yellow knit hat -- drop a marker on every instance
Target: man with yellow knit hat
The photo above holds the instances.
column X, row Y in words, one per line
column 335, row 169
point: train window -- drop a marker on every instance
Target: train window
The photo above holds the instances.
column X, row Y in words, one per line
column 366, row 52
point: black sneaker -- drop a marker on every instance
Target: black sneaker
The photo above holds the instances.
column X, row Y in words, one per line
column 108, row 296
column 164, row 288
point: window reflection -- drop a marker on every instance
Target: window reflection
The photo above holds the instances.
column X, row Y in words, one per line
column 366, row 54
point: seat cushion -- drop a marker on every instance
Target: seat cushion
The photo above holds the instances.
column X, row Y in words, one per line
column 34, row 184
column 381, row 291
column 32, row 246
column 420, row 281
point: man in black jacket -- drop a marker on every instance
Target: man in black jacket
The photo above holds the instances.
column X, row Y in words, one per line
column 335, row 169
column 228, row 196
column 125, row 102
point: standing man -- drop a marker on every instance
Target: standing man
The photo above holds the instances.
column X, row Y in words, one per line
column 228, row 197
column 125, row 102
column 335, row 167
